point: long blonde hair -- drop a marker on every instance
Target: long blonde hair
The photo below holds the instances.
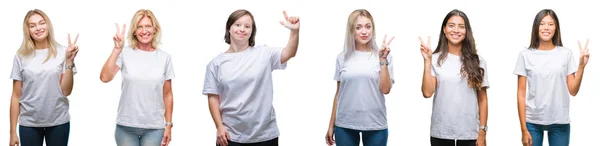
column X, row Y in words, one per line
column 133, row 42
column 28, row 46
column 350, row 42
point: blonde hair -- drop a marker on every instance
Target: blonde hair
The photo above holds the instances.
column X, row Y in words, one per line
column 350, row 42
column 139, row 15
column 28, row 46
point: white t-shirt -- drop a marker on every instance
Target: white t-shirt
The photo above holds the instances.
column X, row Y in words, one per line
column 547, row 99
column 244, row 83
column 144, row 74
column 361, row 105
column 42, row 103
column 455, row 108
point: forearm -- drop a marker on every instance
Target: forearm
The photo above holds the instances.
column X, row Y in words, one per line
column 108, row 70
column 574, row 86
column 427, row 85
column 168, row 99
column 333, row 112
column 14, row 113
column 292, row 47
column 215, row 111
column 66, row 80
column 385, row 83
column 483, row 108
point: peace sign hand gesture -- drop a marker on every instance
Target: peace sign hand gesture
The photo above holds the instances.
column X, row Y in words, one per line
column 119, row 38
column 426, row 48
column 72, row 49
column 385, row 49
column 584, row 54
column 292, row 22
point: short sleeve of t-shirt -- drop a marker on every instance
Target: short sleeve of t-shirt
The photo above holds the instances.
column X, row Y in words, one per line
column 275, row 55
column 169, row 72
column 572, row 66
column 211, row 84
column 520, row 67
column 338, row 67
column 486, row 73
column 16, row 69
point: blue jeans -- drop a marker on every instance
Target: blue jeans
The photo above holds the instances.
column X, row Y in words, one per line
column 55, row 136
column 350, row 137
column 558, row 134
column 131, row 136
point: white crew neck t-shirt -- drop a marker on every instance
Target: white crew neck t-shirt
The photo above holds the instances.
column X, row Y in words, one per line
column 361, row 105
column 547, row 100
column 455, row 112
column 244, row 84
column 144, row 74
column 42, row 103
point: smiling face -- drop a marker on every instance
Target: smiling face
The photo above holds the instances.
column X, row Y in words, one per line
column 145, row 31
column 455, row 30
column 547, row 29
column 38, row 29
column 241, row 29
column 362, row 30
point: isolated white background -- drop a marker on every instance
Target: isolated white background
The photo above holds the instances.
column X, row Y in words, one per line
column 193, row 34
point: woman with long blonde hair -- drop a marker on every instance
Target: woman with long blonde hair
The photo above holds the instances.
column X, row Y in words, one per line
column 364, row 74
column 146, row 105
column 42, row 76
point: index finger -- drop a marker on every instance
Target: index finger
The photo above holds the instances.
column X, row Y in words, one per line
column 123, row 30
column 421, row 39
column 390, row 41
column 69, row 38
column 76, row 37
column 285, row 15
column 384, row 38
column 429, row 41
column 117, row 25
column 586, row 43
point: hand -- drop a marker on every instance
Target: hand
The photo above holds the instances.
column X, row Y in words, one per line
column 527, row 139
column 166, row 137
column 14, row 140
column 385, row 49
column 584, row 54
column 426, row 49
column 72, row 49
column 292, row 23
column 222, row 136
column 329, row 137
column 481, row 138
column 119, row 38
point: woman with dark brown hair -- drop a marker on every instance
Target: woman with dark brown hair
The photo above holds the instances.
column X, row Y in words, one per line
column 458, row 77
column 239, row 83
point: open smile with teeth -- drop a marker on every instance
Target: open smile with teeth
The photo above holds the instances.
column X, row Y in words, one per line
column 546, row 33
column 455, row 36
column 39, row 33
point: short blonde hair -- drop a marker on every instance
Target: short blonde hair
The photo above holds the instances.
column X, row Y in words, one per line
column 139, row 15
column 28, row 46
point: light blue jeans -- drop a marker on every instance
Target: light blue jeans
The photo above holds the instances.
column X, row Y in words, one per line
column 131, row 136
column 558, row 134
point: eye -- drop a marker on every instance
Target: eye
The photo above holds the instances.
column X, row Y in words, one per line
column 31, row 26
column 369, row 27
column 461, row 27
column 237, row 25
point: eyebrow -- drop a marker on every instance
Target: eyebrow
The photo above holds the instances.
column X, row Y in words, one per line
column 35, row 23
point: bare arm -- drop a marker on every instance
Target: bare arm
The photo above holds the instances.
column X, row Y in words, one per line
column 521, row 91
column 168, row 99
column 215, row 111
column 385, row 83
column 482, row 100
column 292, row 47
column 334, row 109
column 429, row 82
column 66, row 80
column 110, row 68
column 574, row 81
column 14, row 106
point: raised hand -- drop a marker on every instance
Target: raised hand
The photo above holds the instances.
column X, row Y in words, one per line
column 584, row 54
column 119, row 38
column 385, row 49
column 292, row 22
column 426, row 48
column 72, row 49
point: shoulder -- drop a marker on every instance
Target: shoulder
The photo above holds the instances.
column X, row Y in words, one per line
column 564, row 50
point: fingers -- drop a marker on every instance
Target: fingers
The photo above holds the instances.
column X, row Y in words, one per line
column 228, row 137
column 390, row 41
column 164, row 141
column 117, row 25
column 586, row 44
column 285, row 15
column 76, row 37
column 123, row 30
column 421, row 39
column 384, row 38
column 69, row 38
column 428, row 41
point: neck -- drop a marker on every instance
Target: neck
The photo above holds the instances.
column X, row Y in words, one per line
column 238, row 46
column 454, row 49
column 145, row 47
column 41, row 44
column 546, row 45
column 361, row 47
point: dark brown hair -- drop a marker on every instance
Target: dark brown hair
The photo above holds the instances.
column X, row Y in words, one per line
column 535, row 29
column 234, row 17
column 469, row 58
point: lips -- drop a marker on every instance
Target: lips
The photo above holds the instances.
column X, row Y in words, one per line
column 364, row 37
column 455, row 36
